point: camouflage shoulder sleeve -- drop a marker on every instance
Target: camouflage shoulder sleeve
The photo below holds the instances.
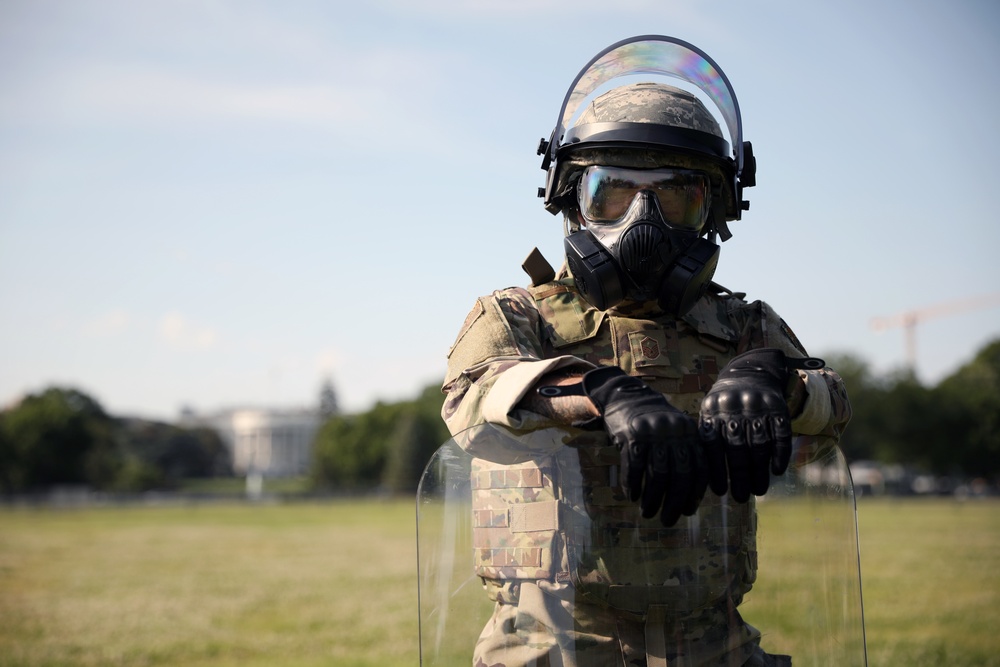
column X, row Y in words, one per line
column 503, row 324
column 826, row 409
column 760, row 326
column 502, row 331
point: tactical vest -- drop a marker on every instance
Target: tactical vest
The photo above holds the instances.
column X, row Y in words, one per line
column 565, row 517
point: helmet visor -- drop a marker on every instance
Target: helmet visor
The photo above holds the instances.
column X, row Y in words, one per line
column 684, row 195
column 654, row 57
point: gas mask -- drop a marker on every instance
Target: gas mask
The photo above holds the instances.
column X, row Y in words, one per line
column 642, row 239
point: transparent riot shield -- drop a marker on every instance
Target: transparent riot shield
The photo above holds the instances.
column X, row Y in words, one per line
column 453, row 607
column 528, row 553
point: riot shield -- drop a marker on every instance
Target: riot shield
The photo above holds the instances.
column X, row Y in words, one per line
column 528, row 551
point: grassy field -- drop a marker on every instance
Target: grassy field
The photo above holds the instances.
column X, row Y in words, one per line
column 931, row 579
column 308, row 584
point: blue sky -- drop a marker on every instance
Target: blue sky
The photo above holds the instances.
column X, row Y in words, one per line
column 219, row 204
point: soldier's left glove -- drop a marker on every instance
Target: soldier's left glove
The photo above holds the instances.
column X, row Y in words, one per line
column 745, row 426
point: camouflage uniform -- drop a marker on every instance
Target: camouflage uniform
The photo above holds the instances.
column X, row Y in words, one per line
column 564, row 597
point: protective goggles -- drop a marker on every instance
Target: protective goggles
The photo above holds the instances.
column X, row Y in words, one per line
column 684, row 195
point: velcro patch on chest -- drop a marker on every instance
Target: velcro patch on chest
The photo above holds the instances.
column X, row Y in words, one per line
column 649, row 348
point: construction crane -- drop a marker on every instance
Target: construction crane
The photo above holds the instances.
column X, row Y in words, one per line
column 909, row 319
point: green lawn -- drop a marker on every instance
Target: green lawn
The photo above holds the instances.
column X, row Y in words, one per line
column 931, row 580
column 295, row 584
column 334, row 583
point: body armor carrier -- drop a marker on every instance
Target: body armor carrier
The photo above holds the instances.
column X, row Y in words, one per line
column 564, row 518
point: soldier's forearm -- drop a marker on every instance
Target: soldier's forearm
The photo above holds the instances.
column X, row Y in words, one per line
column 571, row 409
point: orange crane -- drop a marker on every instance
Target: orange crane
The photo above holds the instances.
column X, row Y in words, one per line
column 909, row 319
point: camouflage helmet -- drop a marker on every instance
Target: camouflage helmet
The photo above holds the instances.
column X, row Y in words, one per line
column 654, row 103
column 650, row 124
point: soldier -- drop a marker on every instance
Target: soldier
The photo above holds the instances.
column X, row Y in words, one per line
column 670, row 383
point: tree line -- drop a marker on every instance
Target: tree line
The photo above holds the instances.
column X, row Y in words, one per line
column 386, row 447
column 62, row 436
column 952, row 428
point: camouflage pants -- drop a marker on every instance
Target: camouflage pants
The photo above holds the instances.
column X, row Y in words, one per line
column 547, row 627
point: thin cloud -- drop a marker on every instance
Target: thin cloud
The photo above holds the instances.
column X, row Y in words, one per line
column 151, row 98
column 329, row 360
column 527, row 9
column 109, row 93
column 109, row 324
column 178, row 331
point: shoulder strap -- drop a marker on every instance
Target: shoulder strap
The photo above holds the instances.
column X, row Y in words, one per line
column 538, row 268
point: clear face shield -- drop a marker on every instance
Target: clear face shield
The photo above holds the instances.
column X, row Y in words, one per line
column 651, row 58
column 528, row 553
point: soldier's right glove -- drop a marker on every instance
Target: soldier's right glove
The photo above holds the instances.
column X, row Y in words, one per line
column 745, row 424
column 661, row 461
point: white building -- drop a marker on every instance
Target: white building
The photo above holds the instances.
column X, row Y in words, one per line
column 268, row 443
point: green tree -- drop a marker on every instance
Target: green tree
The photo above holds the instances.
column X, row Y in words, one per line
column 419, row 432
column 159, row 455
column 894, row 417
column 10, row 471
column 350, row 450
column 58, row 436
column 387, row 445
column 862, row 438
column 63, row 436
column 952, row 428
column 908, row 419
column 968, row 404
column 329, row 404
column 176, row 451
column 405, row 452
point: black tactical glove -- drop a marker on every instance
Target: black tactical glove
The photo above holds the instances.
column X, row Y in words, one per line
column 745, row 422
column 661, row 462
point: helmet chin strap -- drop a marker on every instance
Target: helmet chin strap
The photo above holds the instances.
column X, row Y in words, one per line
column 571, row 221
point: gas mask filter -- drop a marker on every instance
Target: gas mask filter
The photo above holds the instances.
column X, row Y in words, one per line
column 642, row 237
